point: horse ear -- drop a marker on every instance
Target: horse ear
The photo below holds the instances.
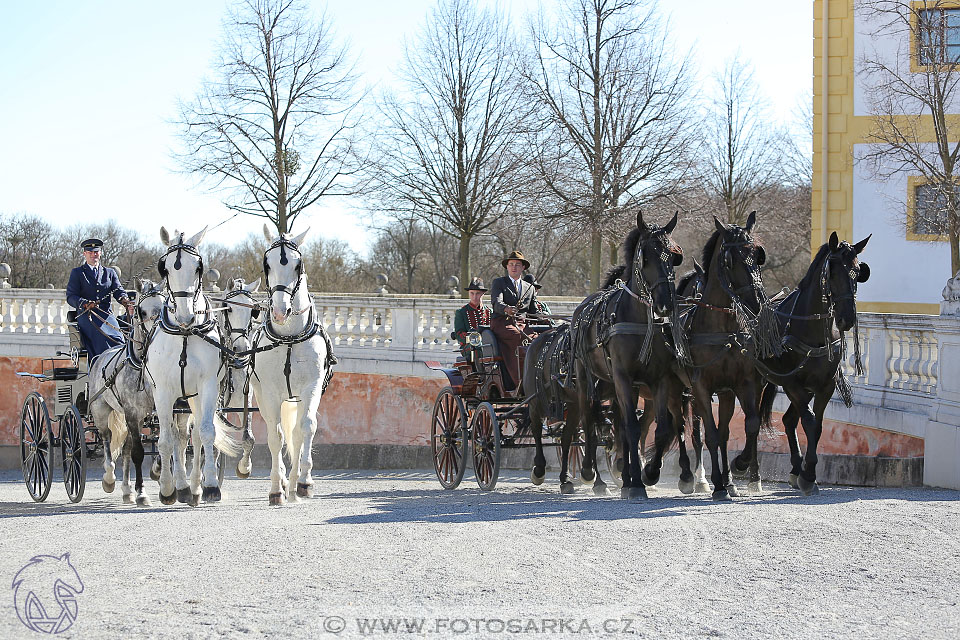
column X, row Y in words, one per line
column 761, row 255
column 197, row 239
column 640, row 223
column 253, row 286
column 672, row 224
column 720, row 225
column 864, row 274
column 165, row 236
column 299, row 239
column 751, row 220
column 834, row 241
column 267, row 233
column 698, row 268
column 860, row 246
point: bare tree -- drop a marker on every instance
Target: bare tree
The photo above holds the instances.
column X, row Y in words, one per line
column 617, row 115
column 898, row 97
column 447, row 153
column 744, row 156
column 274, row 127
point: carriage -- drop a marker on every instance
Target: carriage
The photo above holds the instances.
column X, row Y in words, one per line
column 76, row 436
column 477, row 414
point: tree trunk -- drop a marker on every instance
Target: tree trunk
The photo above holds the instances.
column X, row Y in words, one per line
column 613, row 254
column 596, row 250
column 464, row 264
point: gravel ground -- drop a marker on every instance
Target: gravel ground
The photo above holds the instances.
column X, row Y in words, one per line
column 380, row 553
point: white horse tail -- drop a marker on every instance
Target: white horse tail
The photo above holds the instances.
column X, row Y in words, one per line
column 222, row 440
column 288, row 420
column 118, row 433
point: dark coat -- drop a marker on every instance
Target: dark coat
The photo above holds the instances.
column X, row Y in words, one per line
column 98, row 328
column 502, row 294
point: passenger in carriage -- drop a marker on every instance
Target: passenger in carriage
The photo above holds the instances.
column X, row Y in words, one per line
column 89, row 290
column 471, row 316
column 512, row 299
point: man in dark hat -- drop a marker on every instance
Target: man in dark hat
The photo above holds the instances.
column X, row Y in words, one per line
column 88, row 291
column 472, row 315
column 512, row 297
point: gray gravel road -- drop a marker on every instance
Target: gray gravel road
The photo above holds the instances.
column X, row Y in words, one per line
column 382, row 553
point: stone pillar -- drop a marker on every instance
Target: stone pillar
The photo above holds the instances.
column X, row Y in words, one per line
column 941, row 446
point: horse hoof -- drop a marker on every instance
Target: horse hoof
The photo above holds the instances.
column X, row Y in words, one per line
column 194, row 499
column 127, row 498
column 721, row 495
column 170, row 499
column 755, row 487
column 733, row 491
column 624, row 493
column 242, row 475
column 154, row 474
column 566, row 488
column 793, row 481
column 739, row 469
column 636, row 494
column 807, row 487
column 211, row 494
column 686, row 486
column 184, row 495
column 304, row 490
column 587, row 476
column 108, row 487
column 649, row 478
column 276, row 499
column 143, row 501
column 535, row 479
column 703, row 487
column 600, row 490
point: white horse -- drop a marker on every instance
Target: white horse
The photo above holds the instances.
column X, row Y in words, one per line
column 185, row 361
column 291, row 367
column 119, row 411
column 236, row 323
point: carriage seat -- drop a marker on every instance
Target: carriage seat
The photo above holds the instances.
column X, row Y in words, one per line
column 65, row 373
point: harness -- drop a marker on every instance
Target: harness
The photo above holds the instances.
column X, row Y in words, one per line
column 200, row 331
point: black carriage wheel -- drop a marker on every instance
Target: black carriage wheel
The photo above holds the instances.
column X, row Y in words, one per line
column 485, row 433
column 36, row 446
column 73, row 448
column 609, row 454
column 576, row 454
column 448, row 438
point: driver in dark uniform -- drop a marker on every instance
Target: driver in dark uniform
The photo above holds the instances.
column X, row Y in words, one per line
column 89, row 290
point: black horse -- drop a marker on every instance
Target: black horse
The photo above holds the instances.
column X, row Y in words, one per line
column 812, row 321
column 730, row 325
column 544, row 367
column 617, row 342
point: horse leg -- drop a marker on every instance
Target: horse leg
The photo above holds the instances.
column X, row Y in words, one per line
column 101, row 417
column 539, row 471
column 137, row 455
column 790, row 420
column 566, row 439
column 650, row 475
column 627, row 399
column 807, row 480
column 703, row 398
column 125, row 491
column 309, row 429
column 599, row 486
column 167, row 442
column 686, row 484
column 204, row 407
column 245, row 464
column 749, row 404
column 588, row 463
column 183, row 432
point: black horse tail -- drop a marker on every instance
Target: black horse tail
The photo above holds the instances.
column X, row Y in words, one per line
column 767, row 397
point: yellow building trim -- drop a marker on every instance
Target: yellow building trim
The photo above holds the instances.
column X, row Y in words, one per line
column 921, row 308
column 912, row 183
column 915, row 7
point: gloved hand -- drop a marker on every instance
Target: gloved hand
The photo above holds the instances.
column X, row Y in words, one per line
column 89, row 304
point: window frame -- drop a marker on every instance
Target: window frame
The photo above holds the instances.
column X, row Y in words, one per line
column 912, row 183
column 916, row 8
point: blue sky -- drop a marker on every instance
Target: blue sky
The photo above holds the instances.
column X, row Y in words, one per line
column 87, row 90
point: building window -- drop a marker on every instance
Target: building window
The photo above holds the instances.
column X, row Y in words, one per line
column 927, row 211
column 938, row 34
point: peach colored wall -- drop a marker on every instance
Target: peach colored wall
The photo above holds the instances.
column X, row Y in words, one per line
column 384, row 409
column 837, row 438
column 14, row 390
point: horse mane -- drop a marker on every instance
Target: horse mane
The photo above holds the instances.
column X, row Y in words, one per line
column 708, row 250
column 613, row 274
column 815, row 267
column 685, row 280
column 629, row 249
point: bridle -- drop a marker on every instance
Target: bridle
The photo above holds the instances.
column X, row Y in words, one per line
column 179, row 247
column 284, row 244
column 667, row 258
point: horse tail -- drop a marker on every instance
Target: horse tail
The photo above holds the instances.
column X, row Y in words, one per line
column 118, row 433
column 222, row 441
column 767, row 396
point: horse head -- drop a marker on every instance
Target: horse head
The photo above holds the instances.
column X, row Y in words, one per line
column 182, row 267
column 651, row 258
column 736, row 261
column 149, row 303
column 238, row 318
column 842, row 271
column 283, row 273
